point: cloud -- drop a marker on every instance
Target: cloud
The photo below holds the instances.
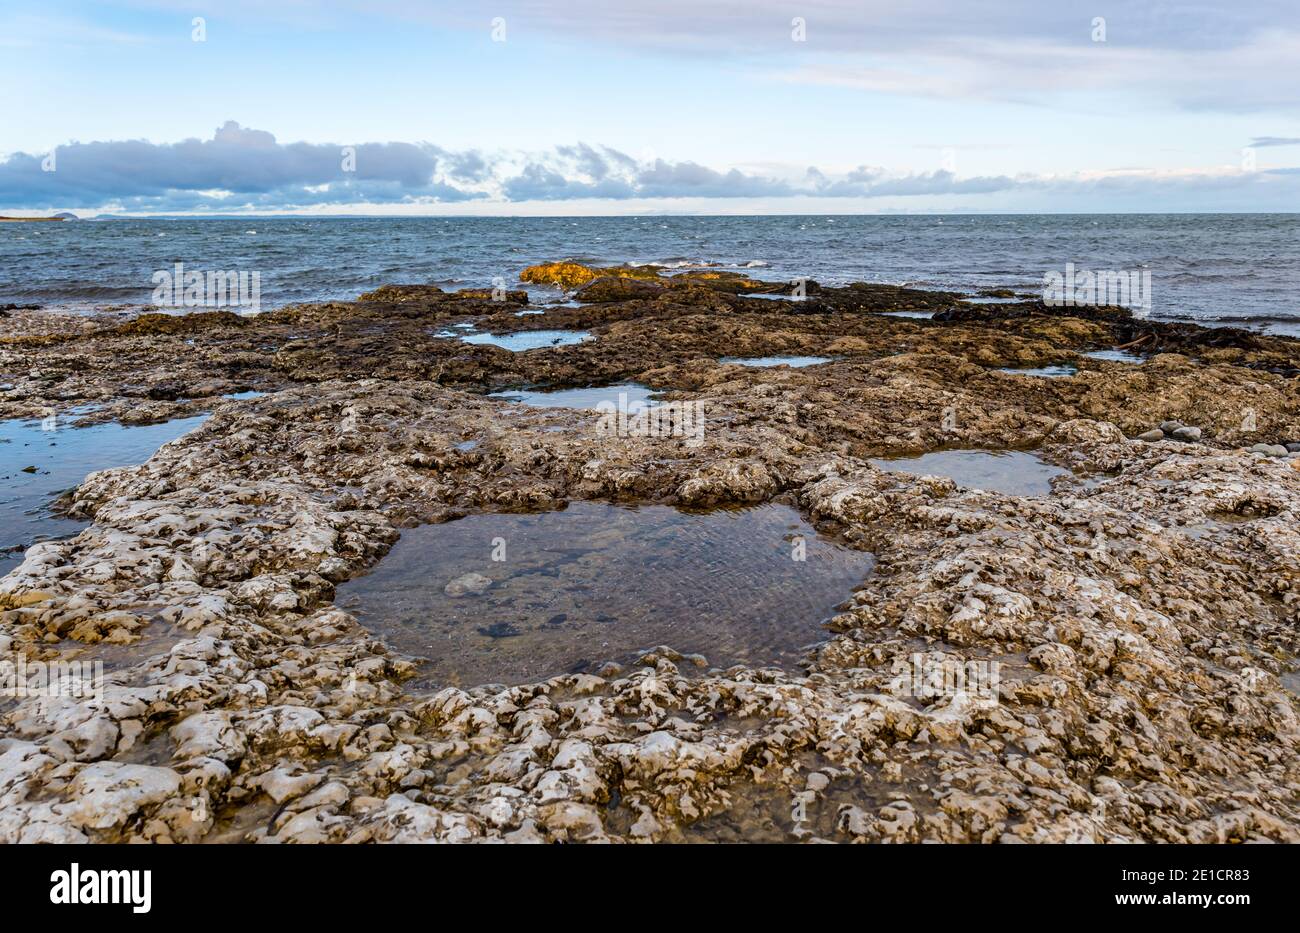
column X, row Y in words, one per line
column 1234, row 57
column 244, row 169
column 236, row 168
column 1261, row 142
column 1198, row 54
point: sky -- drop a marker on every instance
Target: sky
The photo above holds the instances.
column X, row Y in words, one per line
column 535, row 107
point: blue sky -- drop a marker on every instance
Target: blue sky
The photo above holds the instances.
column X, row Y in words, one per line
column 632, row 107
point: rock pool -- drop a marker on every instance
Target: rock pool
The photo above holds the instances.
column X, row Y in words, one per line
column 1013, row 472
column 597, row 582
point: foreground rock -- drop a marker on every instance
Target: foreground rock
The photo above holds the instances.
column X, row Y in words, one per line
column 1143, row 616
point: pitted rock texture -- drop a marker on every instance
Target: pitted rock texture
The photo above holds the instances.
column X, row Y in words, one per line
column 1143, row 615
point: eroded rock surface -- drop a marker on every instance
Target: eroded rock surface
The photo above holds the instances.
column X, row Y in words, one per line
column 1142, row 614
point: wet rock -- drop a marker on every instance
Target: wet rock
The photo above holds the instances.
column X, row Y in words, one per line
column 196, row 322
column 1152, row 436
column 431, row 294
column 1186, row 434
column 617, row 288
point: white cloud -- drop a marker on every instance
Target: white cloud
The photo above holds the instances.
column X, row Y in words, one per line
column 243, row 169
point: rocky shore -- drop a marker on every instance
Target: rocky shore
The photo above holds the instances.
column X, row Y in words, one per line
column 1144, row 614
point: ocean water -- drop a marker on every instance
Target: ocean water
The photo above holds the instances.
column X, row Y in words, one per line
column 1241, row 269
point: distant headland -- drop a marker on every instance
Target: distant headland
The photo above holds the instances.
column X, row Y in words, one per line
column 65, row 215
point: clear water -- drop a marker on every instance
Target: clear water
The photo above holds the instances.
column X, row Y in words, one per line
column 629, row 395
column 1114, row 356
column 1013, row 472
column 598, row 582
column 62, row 458
column 1042, row 372
column 764, row 361
column 1233, row 268
column 529, row 340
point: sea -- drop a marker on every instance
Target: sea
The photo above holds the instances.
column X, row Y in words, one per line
column 1215, row 269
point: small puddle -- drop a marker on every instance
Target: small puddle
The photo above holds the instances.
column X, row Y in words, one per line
column 921, row 315
column 529, row 340
column 598, row 582
column 1013, row 472
column 62, row 458
column 770, row 297
column 627, row 396
column 793, row 361
column 1114, row 356
column 1042, row 372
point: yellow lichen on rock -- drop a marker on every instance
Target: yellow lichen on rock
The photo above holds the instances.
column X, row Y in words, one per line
column 570, row 275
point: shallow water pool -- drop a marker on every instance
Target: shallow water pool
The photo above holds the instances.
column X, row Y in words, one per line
column 796, row 362
column 1114, row 356
column 1042, row 372
column 1013, row 472
column 62, row 457
column 920, row 315
column 529, row 340
column 623, row 396
column 599, row 582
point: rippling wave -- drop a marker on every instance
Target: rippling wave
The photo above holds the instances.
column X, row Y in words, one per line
column 1212, row 268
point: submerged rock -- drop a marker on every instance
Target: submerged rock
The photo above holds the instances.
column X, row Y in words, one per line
column 468, row 584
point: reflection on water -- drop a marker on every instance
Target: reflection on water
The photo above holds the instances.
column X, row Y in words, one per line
column 61, row 458
column 599, row 582
column 1012, row 472
column 1045, row 372
column 793, row 361
column 634, row 395
column 1113, row 356
column 529, row 340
